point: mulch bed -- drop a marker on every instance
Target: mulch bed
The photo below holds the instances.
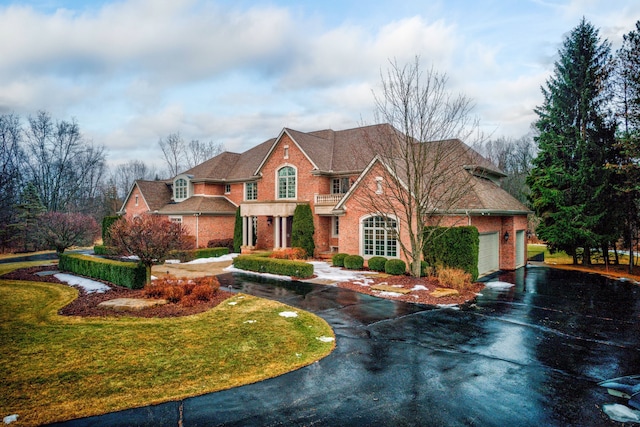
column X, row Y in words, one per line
column 415, row 296
column 86, row 305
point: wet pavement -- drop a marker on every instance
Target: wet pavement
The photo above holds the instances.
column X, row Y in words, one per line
column 529, row 355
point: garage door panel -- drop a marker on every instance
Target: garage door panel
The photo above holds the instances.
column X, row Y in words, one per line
column 488, row 254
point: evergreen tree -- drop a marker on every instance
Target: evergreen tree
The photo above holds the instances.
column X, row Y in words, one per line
column 237, row 233
column 569, row 179
column 302, row 229
column 28, row 209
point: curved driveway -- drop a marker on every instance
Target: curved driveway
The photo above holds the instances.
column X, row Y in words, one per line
column 527, row 356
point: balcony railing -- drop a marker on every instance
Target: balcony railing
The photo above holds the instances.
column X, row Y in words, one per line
column 327, row 199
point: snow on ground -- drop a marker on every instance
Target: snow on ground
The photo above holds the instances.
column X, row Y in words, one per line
column 450, row 306
column 621, row 413
column 227, row 257
column 419, row 288
column 325, row 339
column 87, row 284
column 288, row 314
column 498, row 285
column 389, row 294
column 322, row 270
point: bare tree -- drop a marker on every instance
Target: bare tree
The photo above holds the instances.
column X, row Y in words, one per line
column 173, row 148
column 198, row 152
column 63, row 167
column 124, row 175
column 419, row 151
column 11, row 160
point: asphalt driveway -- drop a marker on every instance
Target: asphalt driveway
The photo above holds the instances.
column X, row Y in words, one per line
column 529, row 355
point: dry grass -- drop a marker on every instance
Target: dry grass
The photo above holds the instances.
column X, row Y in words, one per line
column 58, row 368
column 454, row 278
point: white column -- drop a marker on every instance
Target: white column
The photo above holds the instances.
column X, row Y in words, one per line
column 250, row 230
column 276, row 232
column 284, row 231
column 244, row 231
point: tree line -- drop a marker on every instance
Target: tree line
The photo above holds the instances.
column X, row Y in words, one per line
column 53, row 180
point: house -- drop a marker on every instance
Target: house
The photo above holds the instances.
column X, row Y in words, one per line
column 331, row 171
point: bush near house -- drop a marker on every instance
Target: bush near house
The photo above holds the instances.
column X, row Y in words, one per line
column 455, row 247
column 454, row 278
column 353, row 262
column 127, row 274
column 221, row 243
column 302, row 229
column 377, row 263
column 395, row 267
column 190, row 255
column 237, row 233
column 283, row 267
column 107, row 222
column 289, row 253
column 338, row 259
column 105, row 250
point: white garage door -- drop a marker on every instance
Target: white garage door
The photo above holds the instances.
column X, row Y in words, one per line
column 488, row 253
column 520, row 248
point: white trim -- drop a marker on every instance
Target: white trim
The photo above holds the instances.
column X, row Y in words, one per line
column 189, row 187
column 245, row 198
column 361, row 235
column 335, row 223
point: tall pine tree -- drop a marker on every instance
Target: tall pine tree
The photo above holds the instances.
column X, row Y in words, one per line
column 569, row 179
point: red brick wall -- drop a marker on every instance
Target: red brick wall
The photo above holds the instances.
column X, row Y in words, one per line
column 209, row 227
column 131, row 209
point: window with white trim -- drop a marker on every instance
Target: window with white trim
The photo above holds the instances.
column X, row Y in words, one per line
column 380, row 236
column 335, row 226
column 286, row 183
column 251, row 191
column 227, row 188
column 339, row 185
column 180, row 189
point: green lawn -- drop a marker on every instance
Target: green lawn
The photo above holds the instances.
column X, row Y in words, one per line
column 57, row 368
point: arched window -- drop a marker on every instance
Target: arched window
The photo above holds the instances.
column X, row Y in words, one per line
column 380, row 236
column 286, row 183
column 180, row 189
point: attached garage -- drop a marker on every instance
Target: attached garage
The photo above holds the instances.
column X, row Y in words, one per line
column 489, row 253
column 520, row 248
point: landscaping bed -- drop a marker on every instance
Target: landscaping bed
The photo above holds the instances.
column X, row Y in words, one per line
column 86, row 305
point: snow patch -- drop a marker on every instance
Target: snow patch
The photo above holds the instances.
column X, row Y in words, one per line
column 232, row 303
column 499, row 285
column 449, row 306
column 288, row 314
column 172, row 261
column 222, row 258
column 621, row 413
column 325, row 339
column 389, row 294
column 419, row 288
column 90, row 286
column 250, row 321
column 10, row 419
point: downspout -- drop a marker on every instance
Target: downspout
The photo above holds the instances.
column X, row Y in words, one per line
column 197, row 215
column 468, row 217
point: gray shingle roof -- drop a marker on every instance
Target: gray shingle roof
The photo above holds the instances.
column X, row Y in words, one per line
column 155, row 193
column 212, row 205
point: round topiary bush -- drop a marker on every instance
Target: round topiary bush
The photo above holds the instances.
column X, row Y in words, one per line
column 354, row 262
column 377, row 263
column 395, row 267
column 338, row 260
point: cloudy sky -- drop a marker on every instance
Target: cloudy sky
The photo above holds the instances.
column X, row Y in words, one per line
column 237, row 71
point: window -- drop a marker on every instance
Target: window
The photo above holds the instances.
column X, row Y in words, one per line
column 335, row 226
column 176, row 219
column 180, row 189
column 227, row 188
column 339, row 185
column 380, row 236
column 287, row 183
column 286, row 151
column 136, row 200
column 379, row 185
column 251, row 191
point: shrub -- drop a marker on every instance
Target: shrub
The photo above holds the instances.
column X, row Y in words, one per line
column 127, row 274
column 376, row 263
column 190, row 255
column 338, row 259
column 455, row 247
column 395, row 267
column 454, row 278
column 426, row 269
column 203, row 292
column 237, row 233
column 221, row 243
column 107, row 222
column 289, row 253
column 353, row 262
column 105, row 250
column 302, row 229
column 284, row 267
column 188, row 291
column 173, row 293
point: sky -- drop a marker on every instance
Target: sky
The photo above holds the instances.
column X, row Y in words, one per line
column 236, row 72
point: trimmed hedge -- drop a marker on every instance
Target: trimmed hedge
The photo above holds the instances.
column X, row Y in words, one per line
column 353, row 262
column 455, row 247
column 105, row 250
column 282, row 267
column 338, row 259
column 376, row 263
column 302, row 229
column 186, row 256
column 127, row 274
column 221, row 243
column 107, row 222
column 395, row 267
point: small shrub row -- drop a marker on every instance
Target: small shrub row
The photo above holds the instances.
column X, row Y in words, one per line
column 395, row 267
column 377, row 263
column 221, row 243
column 283, row 267
column 289, row 253
column 353, row 262
column 190, row 255
column 186, row 291
column 127, row 274
column 338, row 259
column 105, row 250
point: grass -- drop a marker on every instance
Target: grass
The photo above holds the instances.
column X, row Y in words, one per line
column 57, row 368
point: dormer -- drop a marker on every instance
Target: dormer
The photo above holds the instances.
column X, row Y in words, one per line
column 182, row 187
